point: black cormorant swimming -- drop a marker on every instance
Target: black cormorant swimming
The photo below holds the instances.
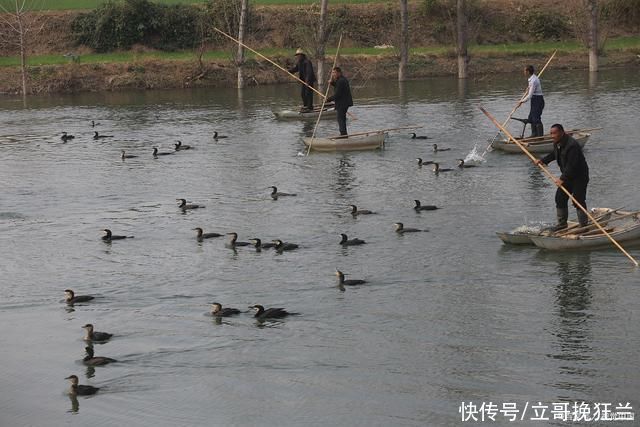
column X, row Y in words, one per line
column 90, row 360
column 344, row 241
column 401, row 230
column 109, row 236
column 218, row 311
column 270, row 313
column 414, row 136
column 275, row 193
column 92, row 335
column 355, row 211
column 201, row 236
column 71, row 298
column 437, row 169
column 352, row 282
column 184, row 206
column 419, row 207
column 80, row 390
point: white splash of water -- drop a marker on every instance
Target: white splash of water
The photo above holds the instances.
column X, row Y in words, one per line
column 474, row 155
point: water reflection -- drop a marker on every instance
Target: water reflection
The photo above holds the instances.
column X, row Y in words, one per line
column 75, row 405
column 572, row 327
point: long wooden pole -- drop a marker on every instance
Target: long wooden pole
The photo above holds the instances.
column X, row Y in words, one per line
column 525, row 93
column 553, row 178
column 324, row 100
column 269, row 60
column 324, row 97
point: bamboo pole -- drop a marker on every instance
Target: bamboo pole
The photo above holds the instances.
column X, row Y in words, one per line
column 324, row 100
column 525, row 93
column 378, row 131
column 550, row 175
column 324, row 97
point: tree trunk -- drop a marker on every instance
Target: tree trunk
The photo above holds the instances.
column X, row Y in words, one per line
column 463, row 58
column 593, row 35
column 404, row 40
column 241, row 31
column 322, row 41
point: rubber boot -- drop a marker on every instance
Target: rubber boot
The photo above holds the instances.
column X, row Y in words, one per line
column 583, row 219
column 563, row 215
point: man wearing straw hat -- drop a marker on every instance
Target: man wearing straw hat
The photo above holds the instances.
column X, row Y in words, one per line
column 575, row 175
column 304, row 68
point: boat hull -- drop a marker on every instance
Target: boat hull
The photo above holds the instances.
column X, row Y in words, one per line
column 631, row 235
column 372, row 141
column 327, row 113
column 541, row 145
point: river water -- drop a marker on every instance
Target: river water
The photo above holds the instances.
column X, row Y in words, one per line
column 447, row 316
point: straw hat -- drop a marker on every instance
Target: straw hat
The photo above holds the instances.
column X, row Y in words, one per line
column 299, row 51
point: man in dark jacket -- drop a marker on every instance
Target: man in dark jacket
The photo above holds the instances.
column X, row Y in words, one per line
column 341, row 96
column 575, row 174
column 304, row 68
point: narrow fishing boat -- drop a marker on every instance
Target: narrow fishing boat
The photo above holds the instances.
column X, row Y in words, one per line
column 538, row 144
column 356, row 142
column 623, row 226
column 329, row 112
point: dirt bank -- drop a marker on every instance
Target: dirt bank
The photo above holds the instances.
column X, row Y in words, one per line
column 188, row 74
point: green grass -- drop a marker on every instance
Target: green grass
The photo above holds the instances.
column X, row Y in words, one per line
column 92, row 4
column 622, row 43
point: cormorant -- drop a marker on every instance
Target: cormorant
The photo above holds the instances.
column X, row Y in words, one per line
column 346, row 242
column 201, row 236
column 90, row 360
column 414, row 136
column 71, row 298
column 96, row 135
column 419, row 207
column 109, row 236
column 401, row 230
column 270, row 313
column 180, row 146
column 218, row 311
column 425, row 162
column 184, row 206
column 436, row 149
column 92, row 335
column 275, row 193
column 66, row 137
column 355, row 211
column 127, row 156
column 233, row 241
column 283, row 246
column 352, row 282
column 80, row 390
column 463, row 165
column 437, row 169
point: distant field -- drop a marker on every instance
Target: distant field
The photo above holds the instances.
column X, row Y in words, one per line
column 92, row 4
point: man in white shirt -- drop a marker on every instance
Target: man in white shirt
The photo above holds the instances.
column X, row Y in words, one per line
column 534, row 93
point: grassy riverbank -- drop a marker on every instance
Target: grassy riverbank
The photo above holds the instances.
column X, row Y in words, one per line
column 621, row 44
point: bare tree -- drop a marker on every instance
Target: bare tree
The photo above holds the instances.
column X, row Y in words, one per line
column 462, row 25
column 23, row 23
column 322, row 38
column 592, row 5
column 241, row 31
column 404, row 40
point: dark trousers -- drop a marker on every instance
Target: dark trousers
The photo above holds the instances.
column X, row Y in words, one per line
column 342, row 120
column 307, row 96
column 577, row 188
column 537, row 105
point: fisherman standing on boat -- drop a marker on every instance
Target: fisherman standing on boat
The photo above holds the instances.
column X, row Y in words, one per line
column 304, row 68
column 342, row 98
column 575, row 175
column 534, row 93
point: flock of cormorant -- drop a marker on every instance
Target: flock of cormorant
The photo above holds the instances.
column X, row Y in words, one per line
column 217, row 310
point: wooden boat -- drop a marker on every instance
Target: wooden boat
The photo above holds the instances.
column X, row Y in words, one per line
column 356, row 142
column 328, row 113
column 539, row 144
column 623, row 226
column 523, row 235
